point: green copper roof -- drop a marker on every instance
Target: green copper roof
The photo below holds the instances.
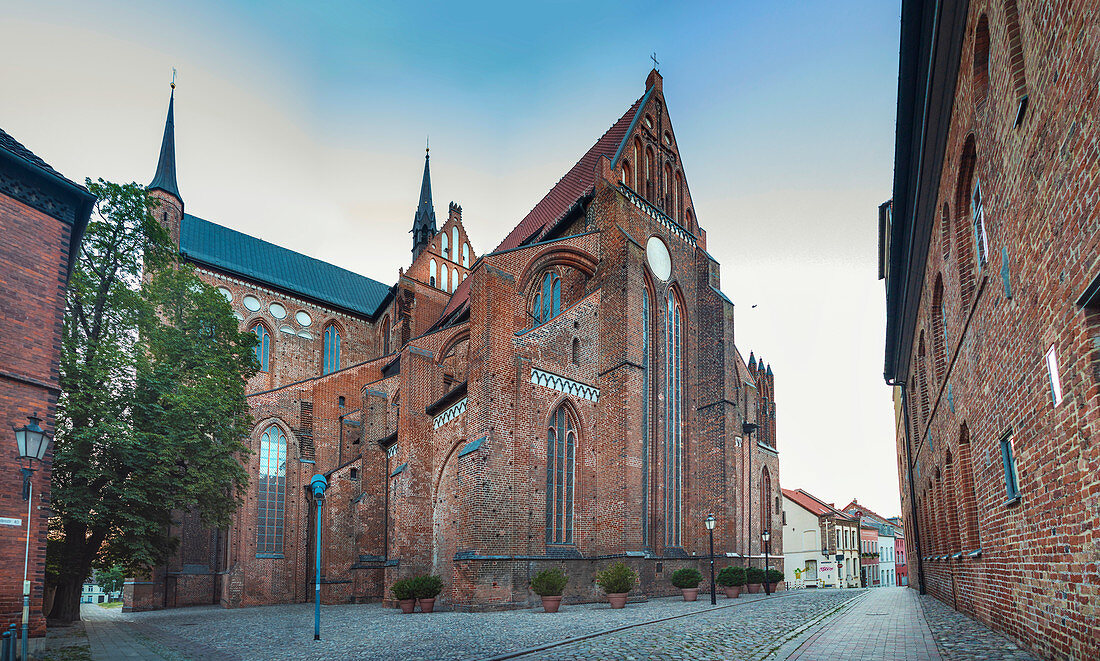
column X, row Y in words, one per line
column 251, row 258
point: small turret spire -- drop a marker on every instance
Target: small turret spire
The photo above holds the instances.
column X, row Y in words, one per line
column 165, row 178
column 424, row 221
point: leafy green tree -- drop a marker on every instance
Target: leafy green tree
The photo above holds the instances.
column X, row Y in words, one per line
column 153, row 370
column 110, row 579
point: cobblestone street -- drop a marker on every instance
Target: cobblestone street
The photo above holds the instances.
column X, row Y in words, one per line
column 884, row 623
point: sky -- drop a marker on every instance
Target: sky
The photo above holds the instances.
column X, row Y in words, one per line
column 305, row 124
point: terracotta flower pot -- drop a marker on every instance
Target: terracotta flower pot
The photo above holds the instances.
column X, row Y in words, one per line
column 755, row 588
column 427, row 605
column 617, row 600
column 690, row 594
column 732, row 591
column 550, row 603
column 407, row 605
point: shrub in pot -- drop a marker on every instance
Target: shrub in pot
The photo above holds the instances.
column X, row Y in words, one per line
column 549, row 584
column 731, row 579
column 404, row 591
column 774, row 577
column 687, row 579
column 427, row 588
column 616, row 581
column 754, row 576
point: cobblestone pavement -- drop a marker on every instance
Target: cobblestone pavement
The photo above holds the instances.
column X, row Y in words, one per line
column 885, row 623
column 962, row 638
column 370, row 631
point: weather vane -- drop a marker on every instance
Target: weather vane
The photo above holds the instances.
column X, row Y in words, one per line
column 173, row 77
column 655, row 62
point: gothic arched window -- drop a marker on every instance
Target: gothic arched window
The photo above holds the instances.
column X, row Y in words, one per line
column 272, row 491
column 561, row 452
column 332, row 349
column 263, row 347
column 443, row 246
column 673, row 421
column 386, row 336
column 454, row 279
column 454, row 241
column 765, row 500
column 547, row 302
column 646, row 349
column 466, row 255
column 431, row 272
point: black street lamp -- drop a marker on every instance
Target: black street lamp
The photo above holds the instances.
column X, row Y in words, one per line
column 318, row 484
column 710, row 531
column 32, row 441
column 766, row 536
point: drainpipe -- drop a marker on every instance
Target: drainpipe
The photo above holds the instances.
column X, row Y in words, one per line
column 912, row 487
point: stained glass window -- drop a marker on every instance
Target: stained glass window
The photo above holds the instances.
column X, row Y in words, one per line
column 263, row 347
column 272, row 491
column 561, row 448
column 332, row 350
column 548, row 299
column 645, row 416
column 673, row 422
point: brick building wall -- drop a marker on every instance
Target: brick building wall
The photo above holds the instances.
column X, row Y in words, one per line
column 42, row 218
column 1003, row 473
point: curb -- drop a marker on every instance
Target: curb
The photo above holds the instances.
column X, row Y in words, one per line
column 568, row 641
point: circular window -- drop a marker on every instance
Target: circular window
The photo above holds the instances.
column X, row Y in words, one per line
column 660, row 262
column 226, row 293
column 303, row 318
column 251, row 303
column 277, row 310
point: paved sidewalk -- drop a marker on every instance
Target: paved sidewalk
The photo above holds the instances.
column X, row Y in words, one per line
column 885, row 624
column 110, row 638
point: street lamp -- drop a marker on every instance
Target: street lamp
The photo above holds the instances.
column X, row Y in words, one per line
column 766, row 536
column 32, row 441
column 318, row 484
column 710, row 531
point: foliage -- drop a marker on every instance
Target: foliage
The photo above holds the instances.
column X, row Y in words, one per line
column 686, row 577
column 617, row 579
column 549, row 583
column 774, row 576
column 403, row 589
column 427, row 587
column 754, row 575
column 731, row 576
column 110, row 579
column 152, row 371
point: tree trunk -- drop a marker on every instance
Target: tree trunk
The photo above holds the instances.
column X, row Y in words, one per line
column 66, row 601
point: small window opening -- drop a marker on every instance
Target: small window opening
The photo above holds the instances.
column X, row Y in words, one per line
column 354, row 473
column 1012, row 482
column 576, row 351
column 340, row 401
column 1055, row 378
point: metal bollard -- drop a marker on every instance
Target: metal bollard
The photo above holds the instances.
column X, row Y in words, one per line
column 5, row 639
column 13, row 643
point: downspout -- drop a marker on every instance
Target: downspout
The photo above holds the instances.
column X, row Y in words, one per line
column 912, row 487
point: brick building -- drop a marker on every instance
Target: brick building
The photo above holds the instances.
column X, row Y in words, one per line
column 42, row 220
column 572, row 398
column 991, row 255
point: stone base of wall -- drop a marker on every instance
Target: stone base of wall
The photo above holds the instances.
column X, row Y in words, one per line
column 142, row 595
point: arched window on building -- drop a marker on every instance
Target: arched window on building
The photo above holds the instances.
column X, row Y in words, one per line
column 939, row 331
column 679, row 197
column 639, row 172
column 1016, row 59
column 576, row 351
column 454, row 279
column 968, row 504
column 263, row 347
column 271, row 488
column 945, row 233
column 674, row 455
column 627, row 180
column 980, row 74
column 964, row 234
column 765, row 500
column 950, row 491
column 977, row 219
column 646, row 397
column 650, row 175
column 667, row 192
column 466, row 254
column 454, row 241
column 385, row 337
column 331, row 349
column 443, row 243
column 547, row 302
column 561, row 452
column 922, row 374
column 431, row 272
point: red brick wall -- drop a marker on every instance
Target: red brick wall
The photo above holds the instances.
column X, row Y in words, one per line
column 1036, row 578
column 33, row 257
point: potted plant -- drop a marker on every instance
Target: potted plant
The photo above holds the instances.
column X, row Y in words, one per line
column 427, row 588
column 616, row 581
column 404, row 591
column 731, row 579
column 775, row 579
column 754, row 576
column 549, row 584
column 687, row 579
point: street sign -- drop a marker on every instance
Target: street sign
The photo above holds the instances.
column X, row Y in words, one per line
column 5, row 521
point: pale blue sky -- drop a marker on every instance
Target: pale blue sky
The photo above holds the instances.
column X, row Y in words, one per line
column 304, row 123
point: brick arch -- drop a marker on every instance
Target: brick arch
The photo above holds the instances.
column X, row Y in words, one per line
column 384, row 336
column 291, row 438
column 569, row 256
column 561, row 483
column 979, row 78
column 945, row 233
column 445, row 505
column 1015, row 49
column 964, row 238
column 939, row 332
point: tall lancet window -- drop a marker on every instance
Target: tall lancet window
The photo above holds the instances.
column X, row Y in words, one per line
column 443, row 245
column 454, row 279
column 645, row 415
column 561, row 452
column 332, row 349
column 673, row 421
column 272, row 491
column 263, row 347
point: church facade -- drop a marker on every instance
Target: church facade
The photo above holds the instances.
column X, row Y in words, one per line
column 573, row 398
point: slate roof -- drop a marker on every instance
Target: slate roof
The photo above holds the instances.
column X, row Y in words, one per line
column 165, row 177
column 255, row 259
column 576, row 183
column 15, row 148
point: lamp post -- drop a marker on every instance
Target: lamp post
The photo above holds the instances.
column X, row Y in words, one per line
column 32, row 441
column 766, row 536
column 710, row 531
column 318, row 484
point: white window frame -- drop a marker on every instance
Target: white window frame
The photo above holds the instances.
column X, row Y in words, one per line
column 1053, row 375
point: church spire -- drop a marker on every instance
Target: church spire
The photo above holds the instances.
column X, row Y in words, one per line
column 165, row 178
column 424, row 221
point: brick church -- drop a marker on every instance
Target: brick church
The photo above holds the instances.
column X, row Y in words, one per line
column 572, row 398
